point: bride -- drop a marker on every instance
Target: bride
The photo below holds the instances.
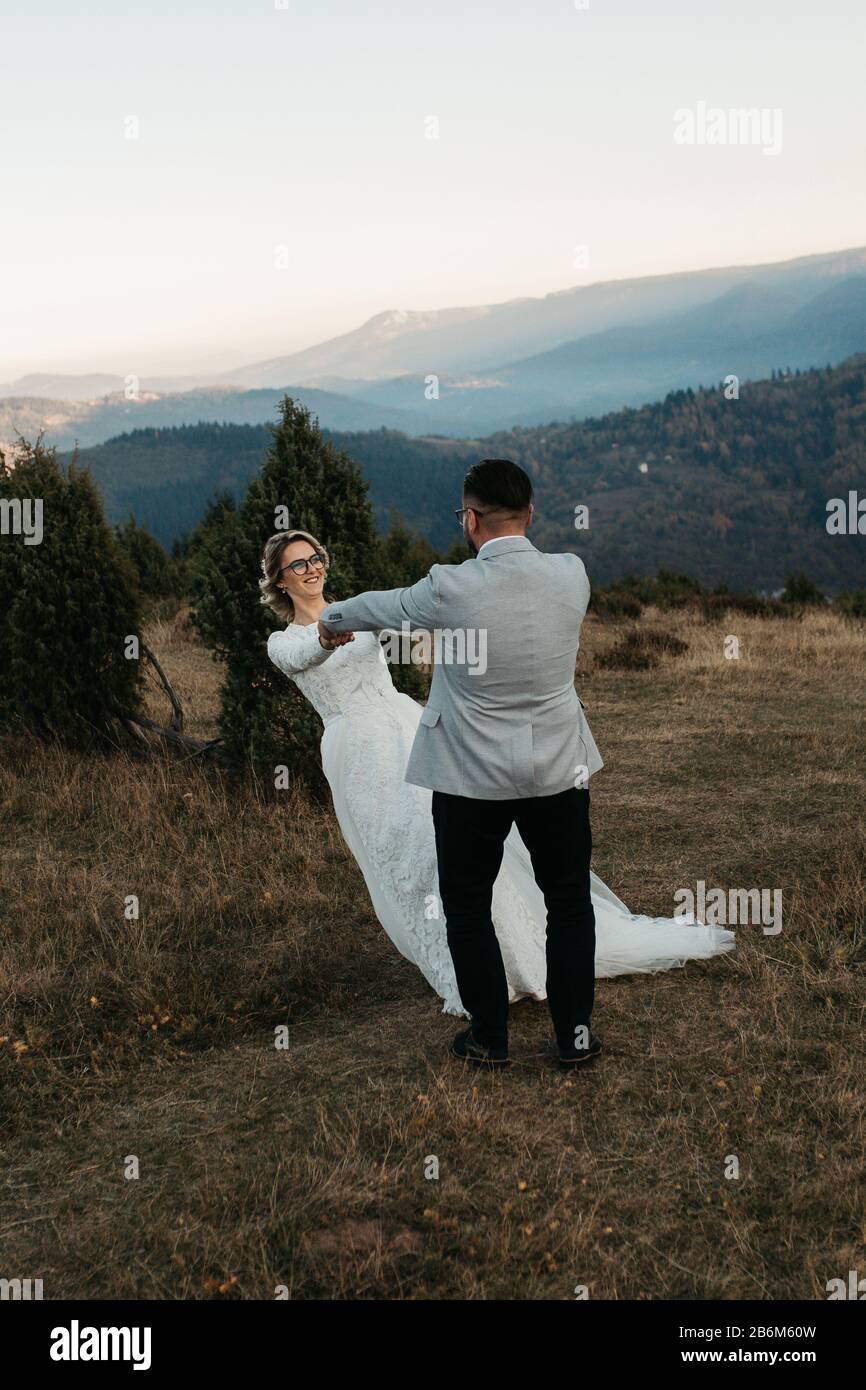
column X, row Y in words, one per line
column 387, row 822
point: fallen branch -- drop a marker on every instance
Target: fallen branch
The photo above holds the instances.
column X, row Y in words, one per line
column 173, row 734
column 177, row 708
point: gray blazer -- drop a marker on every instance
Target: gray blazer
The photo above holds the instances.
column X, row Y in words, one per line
column 502, row 719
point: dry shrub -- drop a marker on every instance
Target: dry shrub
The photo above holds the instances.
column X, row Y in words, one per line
column 613, row 604
column 641, row 649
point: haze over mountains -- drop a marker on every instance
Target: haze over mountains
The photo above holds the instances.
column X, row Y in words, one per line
column 729, row 490
column 575, row 353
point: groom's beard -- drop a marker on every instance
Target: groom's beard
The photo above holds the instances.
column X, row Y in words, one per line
column 470, row 542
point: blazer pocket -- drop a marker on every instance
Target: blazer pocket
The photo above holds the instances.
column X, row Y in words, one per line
column 429, row 716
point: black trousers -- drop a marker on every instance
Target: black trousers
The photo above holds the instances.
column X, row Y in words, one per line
column 470, row 835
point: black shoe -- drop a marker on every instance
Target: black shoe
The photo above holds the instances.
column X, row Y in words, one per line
column 572, row 1056
column 469, row 1050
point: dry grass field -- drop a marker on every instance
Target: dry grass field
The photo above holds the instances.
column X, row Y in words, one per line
column 309, row 1167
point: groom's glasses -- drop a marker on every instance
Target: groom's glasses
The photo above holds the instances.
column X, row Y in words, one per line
column 460, row 512
column 316, row 562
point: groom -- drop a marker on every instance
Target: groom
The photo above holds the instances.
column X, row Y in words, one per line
column 502, row 742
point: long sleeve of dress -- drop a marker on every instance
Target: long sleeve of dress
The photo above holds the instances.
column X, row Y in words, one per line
column 295, row 649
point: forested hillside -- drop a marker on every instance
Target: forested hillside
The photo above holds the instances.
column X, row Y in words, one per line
column 730, row 490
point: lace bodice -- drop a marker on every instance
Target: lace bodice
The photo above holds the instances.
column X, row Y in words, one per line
column 333, row 680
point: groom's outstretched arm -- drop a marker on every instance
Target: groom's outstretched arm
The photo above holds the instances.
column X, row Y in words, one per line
column 387, row 608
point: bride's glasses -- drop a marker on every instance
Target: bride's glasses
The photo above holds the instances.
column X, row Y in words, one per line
column 315, row 561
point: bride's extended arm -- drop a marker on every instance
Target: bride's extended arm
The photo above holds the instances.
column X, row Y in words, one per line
column 295, row 649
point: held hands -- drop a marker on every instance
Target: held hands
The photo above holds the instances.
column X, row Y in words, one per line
column 328, row 639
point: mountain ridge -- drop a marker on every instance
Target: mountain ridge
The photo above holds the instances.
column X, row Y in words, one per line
column 731, row 491
column 408, row 323
column 615, row 344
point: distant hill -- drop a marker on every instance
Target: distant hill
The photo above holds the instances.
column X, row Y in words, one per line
column 482, row 338
column 578, row 353
column 59, row 387
column 731, row 491
column 749, row 330
column 167, row 477
column 66, row 423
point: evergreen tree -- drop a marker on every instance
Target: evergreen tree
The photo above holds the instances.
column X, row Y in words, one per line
column 304, row 484
column 457, row 552
column 156, row 573
column 67, row 606
column 187, row 547
column 404, row 558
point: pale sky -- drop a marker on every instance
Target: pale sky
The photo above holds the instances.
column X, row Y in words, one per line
column 304, row 128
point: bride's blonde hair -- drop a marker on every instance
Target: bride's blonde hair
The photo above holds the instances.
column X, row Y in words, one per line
column 271, row 593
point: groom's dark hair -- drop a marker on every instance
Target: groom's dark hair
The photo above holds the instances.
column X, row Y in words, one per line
column 499, row 484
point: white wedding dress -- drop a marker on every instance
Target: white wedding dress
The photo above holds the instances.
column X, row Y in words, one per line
column 388, row 826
